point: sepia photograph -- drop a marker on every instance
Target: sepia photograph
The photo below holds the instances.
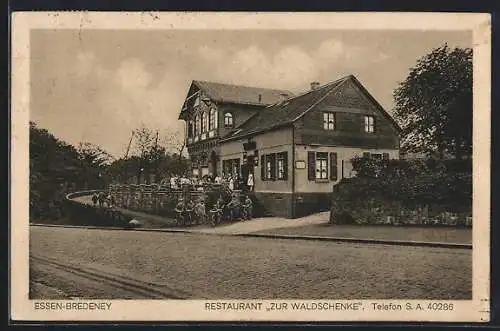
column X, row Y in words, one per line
column 253, row 171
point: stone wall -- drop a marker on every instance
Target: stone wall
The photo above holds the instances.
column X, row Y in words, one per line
column 161, row 200
column 394, row 213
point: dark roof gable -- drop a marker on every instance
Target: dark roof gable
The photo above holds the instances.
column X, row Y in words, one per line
column 238, row 94
column 284, row 113
column 241, row 94
column 287, row 112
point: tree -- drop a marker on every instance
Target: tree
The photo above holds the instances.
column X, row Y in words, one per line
column 94, row 155
column 434, row 104
column 94, row 164
column 174, row 140
column 54, row 170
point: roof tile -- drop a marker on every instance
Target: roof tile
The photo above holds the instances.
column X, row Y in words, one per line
column 241, row 94
column 283, row 113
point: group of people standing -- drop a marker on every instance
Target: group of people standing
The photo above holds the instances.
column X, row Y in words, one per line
column 232, row 181
column 237, row 182
column 103, row 199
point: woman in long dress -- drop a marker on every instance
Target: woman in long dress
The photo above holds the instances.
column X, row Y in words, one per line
column 250, row 182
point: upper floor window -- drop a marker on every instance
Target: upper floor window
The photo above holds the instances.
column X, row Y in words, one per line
column 213, row 119
column 369, row 124
column 204, row 123
column 190, row 128
column 197, row 128
column 228, row 120
column 329, row 121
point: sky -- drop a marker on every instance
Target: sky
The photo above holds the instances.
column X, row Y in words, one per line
column 98, row 85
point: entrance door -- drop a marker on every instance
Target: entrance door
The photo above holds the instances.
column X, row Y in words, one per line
column 213, row 163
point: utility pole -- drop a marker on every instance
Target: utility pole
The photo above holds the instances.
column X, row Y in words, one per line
column 126, row 155
column 157, row 159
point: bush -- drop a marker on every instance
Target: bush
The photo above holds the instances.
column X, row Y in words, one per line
column 394, row 191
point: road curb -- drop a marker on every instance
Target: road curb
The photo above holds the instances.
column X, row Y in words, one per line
column 274, row 236
column 94, row 227
column 360, row 240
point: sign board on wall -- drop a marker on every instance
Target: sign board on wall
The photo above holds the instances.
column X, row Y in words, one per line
column 300, row 164
column 249, row 145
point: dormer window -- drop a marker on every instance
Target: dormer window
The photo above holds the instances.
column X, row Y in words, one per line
column 228, row 120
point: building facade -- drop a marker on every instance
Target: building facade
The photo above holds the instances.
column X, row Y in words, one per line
column 300, row 146
column 213, row 110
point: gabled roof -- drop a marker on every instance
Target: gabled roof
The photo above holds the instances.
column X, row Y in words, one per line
column 287, row 112
column 284, row 113
column 376, row 103
column 240, row 94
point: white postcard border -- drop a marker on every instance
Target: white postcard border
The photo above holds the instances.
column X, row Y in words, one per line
column 475, row 310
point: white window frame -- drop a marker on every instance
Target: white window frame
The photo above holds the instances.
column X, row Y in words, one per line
column 321, row 166
column 212, row 119
column 197, row 124
column 228, row 120
column 204, row 122
column 369, row 124
column 280, row 166
column 328, row 120
column 268, row 167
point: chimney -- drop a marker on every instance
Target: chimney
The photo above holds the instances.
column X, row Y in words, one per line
column 314, row 85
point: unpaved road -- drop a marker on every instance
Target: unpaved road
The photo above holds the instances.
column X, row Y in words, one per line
column 124, row 264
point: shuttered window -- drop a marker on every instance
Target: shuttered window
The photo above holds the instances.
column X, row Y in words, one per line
column 333, row 166
column 262, row 167
column 285, row 161
column 366, row 155
column 311, row 165
column 231, row 167
column 282, row 165
column 321, row 165
column 385, row 156
column 272, row 166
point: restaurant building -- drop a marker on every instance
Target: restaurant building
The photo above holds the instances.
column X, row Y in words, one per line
column 296, row 146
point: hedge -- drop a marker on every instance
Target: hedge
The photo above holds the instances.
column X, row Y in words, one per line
column 399, row 191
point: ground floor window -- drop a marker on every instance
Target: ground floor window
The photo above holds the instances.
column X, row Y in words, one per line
column 282, row 166
column 322, row 165
column 274, row 166
column 376, row 156
column 231, row 166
